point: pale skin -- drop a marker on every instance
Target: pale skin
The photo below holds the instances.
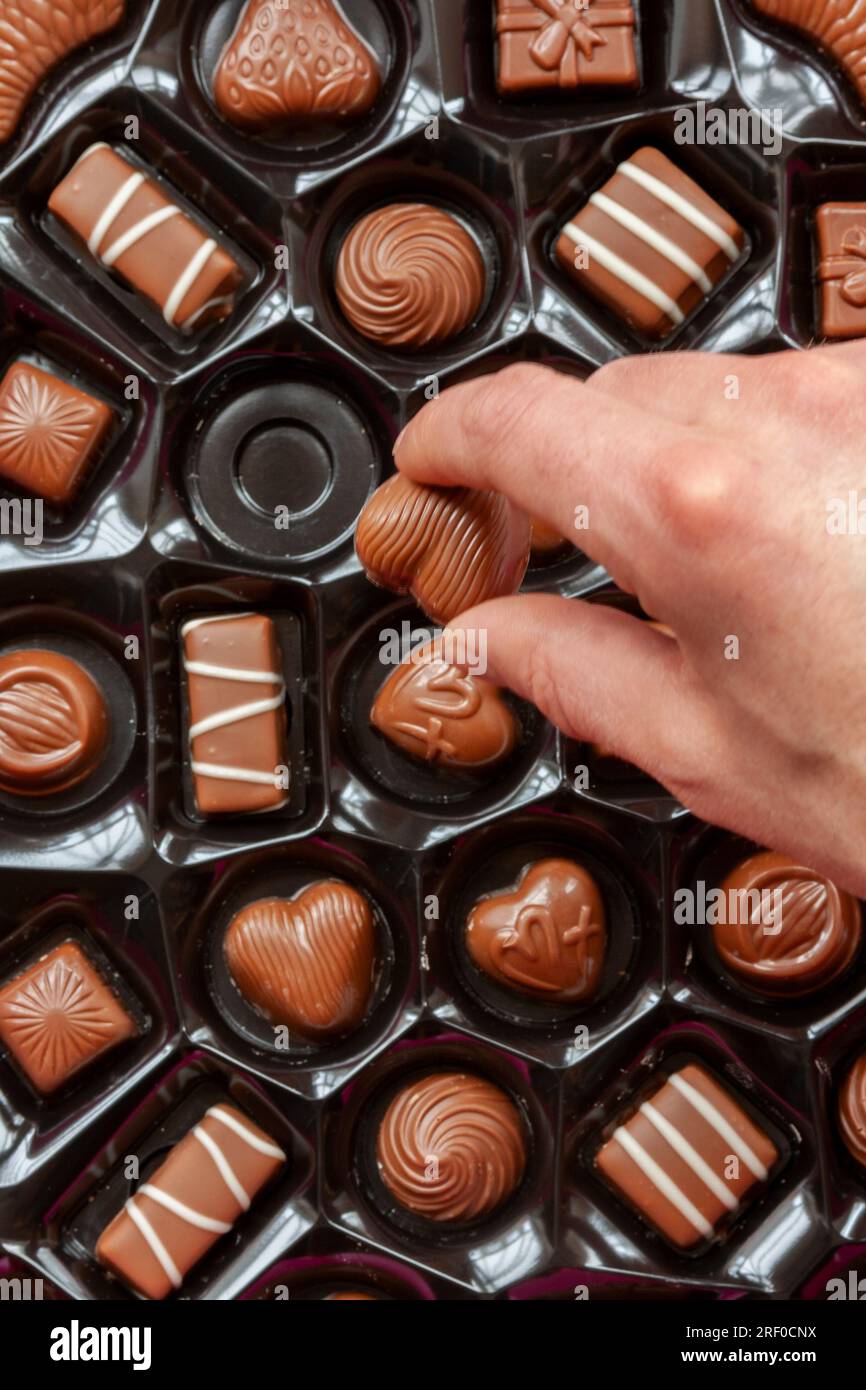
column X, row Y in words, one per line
column 713, row 513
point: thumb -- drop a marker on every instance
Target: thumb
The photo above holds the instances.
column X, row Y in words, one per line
column 598, row 674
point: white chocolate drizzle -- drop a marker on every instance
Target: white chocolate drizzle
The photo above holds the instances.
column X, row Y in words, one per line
column 106, row 220
column 629, row 274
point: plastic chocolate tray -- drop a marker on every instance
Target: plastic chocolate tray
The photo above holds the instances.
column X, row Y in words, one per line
column 177, row 520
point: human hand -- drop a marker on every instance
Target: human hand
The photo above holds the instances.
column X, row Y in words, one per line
column 708, row 481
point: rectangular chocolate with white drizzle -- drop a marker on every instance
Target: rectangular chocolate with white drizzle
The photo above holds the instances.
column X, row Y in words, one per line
column 651, row 244
column 129, row 223
column 687, row 1156
column 236, row 696
column 174, row 1217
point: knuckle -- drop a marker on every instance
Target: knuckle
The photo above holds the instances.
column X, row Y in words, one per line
column 698, row 499
column 546, row 690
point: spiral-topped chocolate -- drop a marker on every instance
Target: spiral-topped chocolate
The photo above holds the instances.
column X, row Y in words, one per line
column 409, row 275
column 450, row 548
column 852, row 1110
column 787, row 929
column 451, row 1147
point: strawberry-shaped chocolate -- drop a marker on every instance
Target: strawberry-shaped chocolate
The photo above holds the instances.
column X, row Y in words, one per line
column 295, row 60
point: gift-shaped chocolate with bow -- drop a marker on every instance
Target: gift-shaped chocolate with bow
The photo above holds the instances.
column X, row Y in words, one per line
column 842, row 269
column 565, row 43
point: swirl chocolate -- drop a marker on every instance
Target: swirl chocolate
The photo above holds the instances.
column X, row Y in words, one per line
column 450, row 548
column 204, row 1186
column 291, row 60
column 53, row 723
column 50, row 433
column 435, row 711
column 35, row 37
column 838, row 27
column 547, row 937
column 789, row 930
column 409, row 275
column 451, row 1147
column 852, row 1111
column 58, row 1016
column 124, row 218
column 307, row 962
column 687, row 1157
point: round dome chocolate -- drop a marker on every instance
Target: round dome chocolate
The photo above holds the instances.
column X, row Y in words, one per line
column 53, row 723
column 852, row 1111
column 788, row 930
column 546, row 937
column 409, row 275
column 451, row 1147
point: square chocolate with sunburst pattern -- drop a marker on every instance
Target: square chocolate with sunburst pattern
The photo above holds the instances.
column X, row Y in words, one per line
column 50, row 432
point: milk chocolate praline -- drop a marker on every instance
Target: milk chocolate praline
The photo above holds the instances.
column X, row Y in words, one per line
column 852, row 1111
column 546, row 937
column 806, row 946
column 451, row 1147
column 53, row 723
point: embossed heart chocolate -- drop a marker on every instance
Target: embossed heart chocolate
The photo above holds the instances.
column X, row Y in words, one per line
column 306, row 962
column 294, row 59
column 435, row 711
column 450, row 548
column 547, row 937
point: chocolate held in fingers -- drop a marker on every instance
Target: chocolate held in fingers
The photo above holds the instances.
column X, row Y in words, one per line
column 547, row 937
column 292, row 60
column 409, row 275
column 438, row 712
column 53, row 723
column 852, row 1111
column 787, row 929
column 204, row 1186
column 237, row 712
column 306, row 962
column 129, row 224
column 36, row 37
column 451, row 1147
column 450, row 548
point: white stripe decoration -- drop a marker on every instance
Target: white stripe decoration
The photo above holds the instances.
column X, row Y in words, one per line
column 262, row 1146
column 231, row 673
column 137, row 233
column 113, row 210
column 237, row 714
column 188, row 1214
column 681, row 205
column 224, row 1168
column 660, row 243
column 630, row 276
column 187, row 279
column 686, row 1151
column 235, row 774
column 708, row 1111
column 192, row 623
column 660, row 1180
column 158, row 1250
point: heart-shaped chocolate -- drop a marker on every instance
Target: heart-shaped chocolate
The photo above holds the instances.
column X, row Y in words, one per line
column 450, row 548
column 547, row 937
column 306, row 962
column 437, row 712
column 294, row 59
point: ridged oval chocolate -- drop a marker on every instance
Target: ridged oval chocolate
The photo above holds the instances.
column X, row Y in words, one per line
column 306, row 962
column 450, row 548
column 290, row 60
column 546, row 938
column 814, row 941
column 434, row 711
column 53, row 723
column 852, row 1110
column 409, row 275
column 451, row 1147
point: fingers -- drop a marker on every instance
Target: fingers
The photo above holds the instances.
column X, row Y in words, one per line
column 598, row 674
column 547, row 442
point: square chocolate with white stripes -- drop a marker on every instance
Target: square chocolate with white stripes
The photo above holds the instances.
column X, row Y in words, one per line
column 650, row 244
column 687, row 1157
